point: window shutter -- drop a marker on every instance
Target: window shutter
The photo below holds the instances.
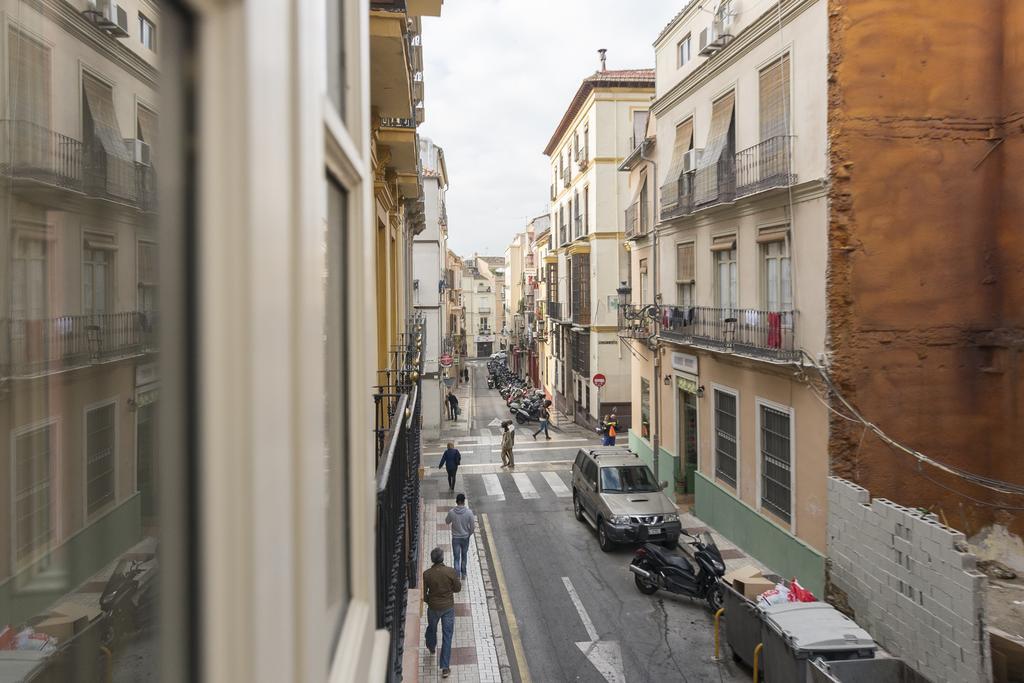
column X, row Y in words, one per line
column 774, row 99
column 29, row 78
column 682, row 144
column 685, row 267
column 147, row 132
column 718, row 135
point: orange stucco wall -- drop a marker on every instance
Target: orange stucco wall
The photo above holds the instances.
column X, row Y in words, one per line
column 926, row 262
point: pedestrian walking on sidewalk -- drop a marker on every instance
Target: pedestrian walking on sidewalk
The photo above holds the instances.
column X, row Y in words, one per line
column 545, row 417
column 508, row 439
column 453, row 406
column 450, row 460
column 440, row 584
column 463, row 523
column 613, row 428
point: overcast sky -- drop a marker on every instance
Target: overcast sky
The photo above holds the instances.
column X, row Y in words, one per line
column 498, row 75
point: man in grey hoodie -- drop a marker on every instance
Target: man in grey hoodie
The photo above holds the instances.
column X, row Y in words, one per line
column 463, row 522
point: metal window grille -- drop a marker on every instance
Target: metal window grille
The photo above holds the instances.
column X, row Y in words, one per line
column 776, row 476
column 725, row 437
column 99, row 458
column 33, row 524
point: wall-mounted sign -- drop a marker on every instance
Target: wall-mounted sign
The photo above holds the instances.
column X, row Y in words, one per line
column 684, row 362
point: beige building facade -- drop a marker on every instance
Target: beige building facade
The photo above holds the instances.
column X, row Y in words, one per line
column 729, row 243
column 587, row 260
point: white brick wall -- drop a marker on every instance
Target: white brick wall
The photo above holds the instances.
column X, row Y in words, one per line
column 917, row 595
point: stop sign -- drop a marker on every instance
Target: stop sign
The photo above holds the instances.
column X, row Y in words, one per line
column 599, row 380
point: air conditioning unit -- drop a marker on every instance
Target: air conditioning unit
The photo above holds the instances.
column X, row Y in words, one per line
column 108, row 16
column 139, row 151
column 690, row 158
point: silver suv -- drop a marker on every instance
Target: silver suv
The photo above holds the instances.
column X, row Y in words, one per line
column 616, row 493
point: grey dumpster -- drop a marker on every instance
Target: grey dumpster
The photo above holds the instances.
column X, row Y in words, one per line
column 888, row 670
column 742, row 624
column 794, row 633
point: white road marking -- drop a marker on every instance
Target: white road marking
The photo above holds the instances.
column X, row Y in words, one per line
column 556, row 484
column 526, row 449
column 493, row 486
column 524, row 485
column 605, row 655
column 584, row 617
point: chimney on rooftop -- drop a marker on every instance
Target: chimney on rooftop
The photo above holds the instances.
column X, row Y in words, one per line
column 602, row 52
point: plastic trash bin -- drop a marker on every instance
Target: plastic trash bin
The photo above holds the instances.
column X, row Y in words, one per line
column 742, row 624
column 794, row 633
column 886, row 670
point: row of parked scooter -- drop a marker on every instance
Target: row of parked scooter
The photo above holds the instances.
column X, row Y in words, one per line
column 524, row 402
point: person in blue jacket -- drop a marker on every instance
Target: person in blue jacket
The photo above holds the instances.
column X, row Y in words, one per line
column 450, row 460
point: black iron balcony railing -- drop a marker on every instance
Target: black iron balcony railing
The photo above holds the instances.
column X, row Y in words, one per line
column 53, row 344
column 555, row 310
column 31, row 151
column 637, row 321
column 683, row 204
column 761, row 334
column 633, row 220
column 716, row 184
column 766, row 165
column 397, row 432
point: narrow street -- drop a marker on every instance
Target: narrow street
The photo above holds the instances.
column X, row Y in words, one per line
column 578, row 614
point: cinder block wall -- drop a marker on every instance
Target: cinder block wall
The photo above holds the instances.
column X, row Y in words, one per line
column 913, row 591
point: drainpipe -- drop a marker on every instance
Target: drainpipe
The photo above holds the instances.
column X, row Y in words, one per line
column 656, row 431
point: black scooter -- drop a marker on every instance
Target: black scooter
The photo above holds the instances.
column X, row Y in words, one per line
column 129, row 599
column 655, row 568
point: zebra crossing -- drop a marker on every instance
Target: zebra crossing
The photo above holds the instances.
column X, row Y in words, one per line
column 533, row 485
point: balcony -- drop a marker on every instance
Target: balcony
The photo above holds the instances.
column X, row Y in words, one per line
column 55, row 344
column 36, row 158
column 633, row 221
column 554, row 310
column 637, row 321
column 716, row 184
column 397, row 450
column 766, row 165
column 768, row 335
column 683, row 205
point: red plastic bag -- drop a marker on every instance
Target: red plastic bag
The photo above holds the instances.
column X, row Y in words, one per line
column 798, row 593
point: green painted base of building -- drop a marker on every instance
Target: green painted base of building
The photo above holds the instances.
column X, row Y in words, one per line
column 668, row 464
column 38, row 587
column 758, row 537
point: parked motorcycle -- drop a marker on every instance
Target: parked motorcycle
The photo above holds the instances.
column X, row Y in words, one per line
column 129, row 599
column 659, row 568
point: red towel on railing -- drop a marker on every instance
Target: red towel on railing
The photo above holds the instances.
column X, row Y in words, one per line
column 774, row 330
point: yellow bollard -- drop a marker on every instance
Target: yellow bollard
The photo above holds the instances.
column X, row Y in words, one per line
column 109, row 656
column 718, row 615
column 757, row 653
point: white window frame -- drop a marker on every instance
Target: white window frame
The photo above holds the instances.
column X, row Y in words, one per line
column 763, row 257
column 143, row 22
column 110, row 245
column 720, row 301
column 56, row 509
column 115, row 402
column 760, row 402
column 739, row 445
column 681, row 58
column 683, row 283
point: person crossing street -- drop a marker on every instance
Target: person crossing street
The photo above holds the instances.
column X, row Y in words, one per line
column 508, row 439
column 545, row 418
column 450, row 460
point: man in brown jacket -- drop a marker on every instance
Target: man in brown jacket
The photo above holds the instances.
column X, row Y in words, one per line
column 440, row 584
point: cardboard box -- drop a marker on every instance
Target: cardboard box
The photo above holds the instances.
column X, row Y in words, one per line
column 751, row 587
column 747, row 571
column 61, row 627
column 75, row 609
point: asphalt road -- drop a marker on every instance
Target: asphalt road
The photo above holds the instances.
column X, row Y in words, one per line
column 546, row 556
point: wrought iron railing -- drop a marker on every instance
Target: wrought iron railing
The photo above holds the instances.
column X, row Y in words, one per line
column 761, row 334
column 581, row 353
column 397, row 437
column 28, row 150
column 53, row 344
column 716, row 184
column 683, row 204
column 637, row 321
column 766, row 165
column 633, row 220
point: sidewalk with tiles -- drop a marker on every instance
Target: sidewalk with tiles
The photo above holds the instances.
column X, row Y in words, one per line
column 478, row 650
